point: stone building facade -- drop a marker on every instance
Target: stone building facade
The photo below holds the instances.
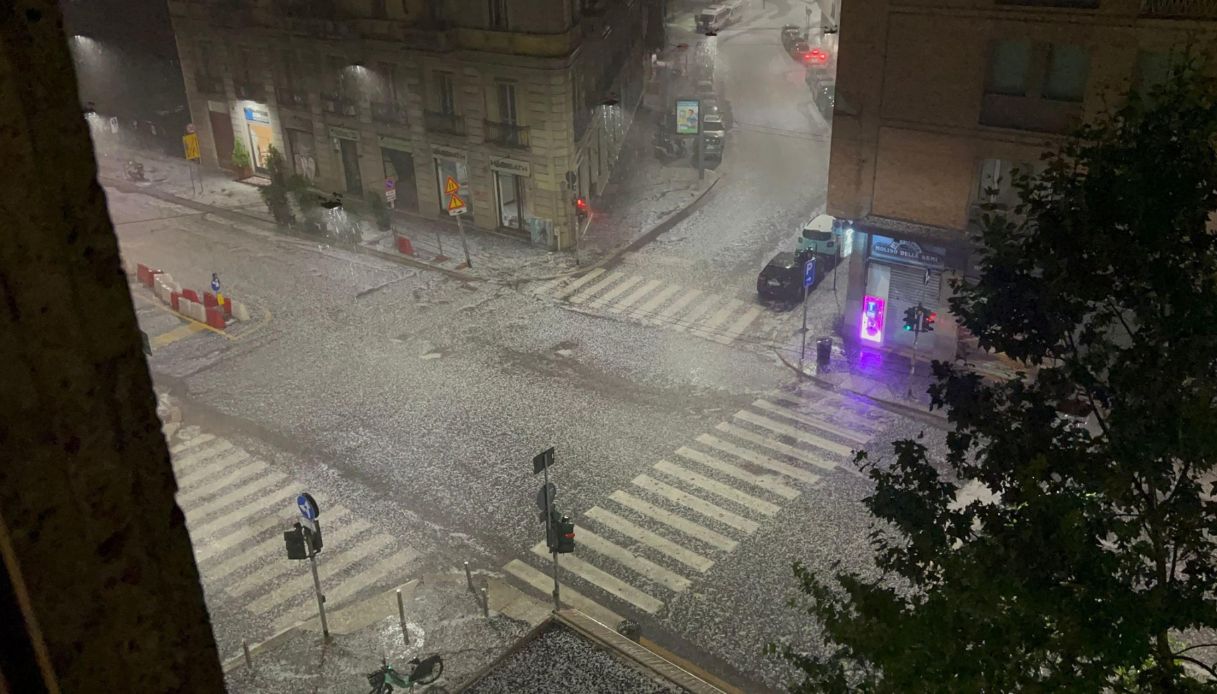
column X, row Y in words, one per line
column 524, row 103
column 938, row 100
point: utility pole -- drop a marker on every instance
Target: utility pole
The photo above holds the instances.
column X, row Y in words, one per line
column 460, row 227
column 312, row 560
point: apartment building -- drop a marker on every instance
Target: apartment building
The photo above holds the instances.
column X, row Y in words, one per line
column 938, row 100
column 524, row 103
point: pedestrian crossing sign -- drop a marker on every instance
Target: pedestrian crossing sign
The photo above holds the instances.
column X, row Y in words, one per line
column 451, row 186
column 456, row 205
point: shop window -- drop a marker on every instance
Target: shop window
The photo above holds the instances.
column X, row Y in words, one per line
column 510, row 192
column 1068, row 69
column 498, row 14
column 1008, row 65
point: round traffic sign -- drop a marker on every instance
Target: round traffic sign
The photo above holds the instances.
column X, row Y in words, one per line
column 553, row 492
column 308, row 506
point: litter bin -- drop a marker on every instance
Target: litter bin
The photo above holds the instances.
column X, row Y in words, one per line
column 823, row 350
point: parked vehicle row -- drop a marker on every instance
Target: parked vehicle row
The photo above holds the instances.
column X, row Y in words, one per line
column 715, row 18
column 782, row 278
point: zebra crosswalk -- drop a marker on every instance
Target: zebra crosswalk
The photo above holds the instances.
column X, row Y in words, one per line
column 657, row 302
column 237, row 508
column 654, row 539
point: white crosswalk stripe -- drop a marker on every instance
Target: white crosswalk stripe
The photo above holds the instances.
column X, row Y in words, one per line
column 219, row 466
column 243, row 534
column 793, row 432
column 812, row 421
column 257, row 578
column 695, row 503
column 690, row 319
column 693, row 530
column 199, row 455
column 708, row 328
column 717, row 488
column 261, row 504
column 767, row 483
column 632, row 561
column 592, row 289
column 789, row 451
column 603, row 580
column 634, row 296
column 615, row 292
column 677, row 306
column 328, row 567
column 646, row 312
column 569, row 596
column 202, row 491
column 648, row 538
column 794, row 473
column 740, row 325
column 259, row 486
column 577, row 283
column 190, row 443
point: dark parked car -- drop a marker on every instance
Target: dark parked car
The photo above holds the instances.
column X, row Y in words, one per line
column 825, row 95
column 782, row 278
column 790, row 34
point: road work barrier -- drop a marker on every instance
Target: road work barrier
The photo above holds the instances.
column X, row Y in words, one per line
column 204, row 308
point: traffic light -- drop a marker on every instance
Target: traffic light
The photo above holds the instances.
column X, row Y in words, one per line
column 580, row 208
column 294, row 539
column 927, row 321
column 566, row 535
column 911, row 318
column 314, row 537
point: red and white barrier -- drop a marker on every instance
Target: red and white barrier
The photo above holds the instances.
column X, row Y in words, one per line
column 204, row 308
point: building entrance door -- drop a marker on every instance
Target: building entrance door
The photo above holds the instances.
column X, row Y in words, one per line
column 221, row 133
column 350, row 167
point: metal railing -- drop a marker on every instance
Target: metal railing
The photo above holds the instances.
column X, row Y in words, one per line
column 249, row 90
column 1181, row 9
column 438, row 122
column 507, row 134
column 338, row 105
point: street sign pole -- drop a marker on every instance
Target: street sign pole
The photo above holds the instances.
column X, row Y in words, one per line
column 549, row 531
column 808, row 279
column 312, row 560
column 460, row 227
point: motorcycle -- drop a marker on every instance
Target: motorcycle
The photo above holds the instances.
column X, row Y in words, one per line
column 668, row 147
column 135, row 171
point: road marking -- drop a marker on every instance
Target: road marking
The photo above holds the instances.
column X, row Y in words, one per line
column 644, row 312
column 851, row 405
column 684, row 300
column 693, row 530
column 588, row 291
column 193, row 496
column 759, row 460
column 394, row 563
column 281, row 564
column 258, row 552
column 569, row 596
column 293, row 588
column 579, row 282
column 615, row 292
column 796, row 453
column 222, row 465
column 657, row 542
column 214, row 525
column 191, row 443
column 546, row 287
column 605, row 581
column 853, row 413
column 707, row 329
column 635, row 296
column 811, row 421
column 717, row 488
column 737, row 328
column 632, row 561
column 690, row 319
column 767, row 483
column 178, row 333
column 235, row 495
column 793, row 432
column 695, row 503
column 206, row 550
column 181, row 465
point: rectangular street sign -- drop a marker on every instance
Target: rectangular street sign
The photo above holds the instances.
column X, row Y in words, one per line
column 809, row 273
column 543, row 460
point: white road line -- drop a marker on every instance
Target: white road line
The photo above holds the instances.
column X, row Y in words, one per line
column 769, row 484
column 717, row 488
column 812, row 421
column 795, row 473
column 545, row 287
column 693, row 530
column 219, row 467
column 707, row 329
column 190, row 497
column 691, row 318
column 605, row 581
column 796, row 453
column 190, row 443
column 656, row 542
column 853, row 413
column 257, row 486
column 634, row 296
column 277, row 568
column 793, row 432
column 268, row 548
column 204, row 551
column 289, row 590
column 615, row 292
column 196, row 456
column 396, row 563
column 631, row 561
column 573, row 286
column 544, row 584
column 214, row 525
column 740, row 325
column 587, row 292
column 672, row 308
column 695, row 503
column 646, row 310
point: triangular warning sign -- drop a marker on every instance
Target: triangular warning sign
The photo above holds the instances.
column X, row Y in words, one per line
column 451, row 186
column 455, row 202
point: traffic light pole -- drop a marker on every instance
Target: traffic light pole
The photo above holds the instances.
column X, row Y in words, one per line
column 460, row 227
column 551, row 532
column 312, row 560
column 803, row 349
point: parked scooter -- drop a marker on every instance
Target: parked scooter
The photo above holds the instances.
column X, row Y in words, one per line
column 135, row 171
column 668, row 147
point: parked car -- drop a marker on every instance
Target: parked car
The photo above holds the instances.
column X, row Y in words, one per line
column 790, row 34
column 713, row 105
column 782, row 278
column 714, row 134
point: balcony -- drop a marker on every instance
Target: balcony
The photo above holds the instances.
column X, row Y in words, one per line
column 338, row 105
column 1179, row 9
column 388, row 112
column 1066, row 4
column 507, row 134
column 291, row 98
column 450, row 123
column 1029, row 113
column 250, row 91
column 207, row 84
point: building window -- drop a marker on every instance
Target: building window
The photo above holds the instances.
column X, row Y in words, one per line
column 498, row 14
column 995, row 182
column 1008, row 67
column 1068, row 68
column 446, row 93
column 507, row 103
column 1153, row 68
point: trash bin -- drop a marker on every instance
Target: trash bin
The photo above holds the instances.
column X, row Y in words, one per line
column 823, row 350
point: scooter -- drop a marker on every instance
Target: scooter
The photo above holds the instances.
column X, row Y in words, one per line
column 135, row 171
column 668, row 147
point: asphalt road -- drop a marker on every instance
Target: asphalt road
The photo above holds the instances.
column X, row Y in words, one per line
column 411, row 405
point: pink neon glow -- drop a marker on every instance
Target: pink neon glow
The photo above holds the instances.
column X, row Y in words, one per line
column 871, row 328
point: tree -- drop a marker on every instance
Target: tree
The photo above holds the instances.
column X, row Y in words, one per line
column 240, row 157
column 1100, row 544
column 274, row 194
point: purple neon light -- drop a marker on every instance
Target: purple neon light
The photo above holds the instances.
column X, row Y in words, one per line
column 871, row 326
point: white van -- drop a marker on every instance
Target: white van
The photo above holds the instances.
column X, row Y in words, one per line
column 713, row 19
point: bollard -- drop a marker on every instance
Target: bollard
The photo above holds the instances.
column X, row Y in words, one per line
column 249, row 662
column 468, row 577
column 401, row 615
column 485, row 604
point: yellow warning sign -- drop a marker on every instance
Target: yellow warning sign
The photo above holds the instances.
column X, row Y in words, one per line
column 190, row 143
column 456, row 205
column 451, row 186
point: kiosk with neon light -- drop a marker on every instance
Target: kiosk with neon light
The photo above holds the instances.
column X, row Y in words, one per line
column 870, row 328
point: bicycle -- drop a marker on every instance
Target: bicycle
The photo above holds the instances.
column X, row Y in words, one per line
column 425, row 671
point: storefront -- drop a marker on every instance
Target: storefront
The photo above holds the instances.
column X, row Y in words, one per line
column 510, row 178
column 303, row 149
column 898, row 274
column 452, row 163
column 346, row 141
column 398, row 161
column 257, row 125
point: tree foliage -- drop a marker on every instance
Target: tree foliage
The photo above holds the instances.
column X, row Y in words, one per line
column 275, row 193
column 1100, row 544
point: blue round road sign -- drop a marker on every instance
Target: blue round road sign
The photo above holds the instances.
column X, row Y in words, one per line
column 308, row 506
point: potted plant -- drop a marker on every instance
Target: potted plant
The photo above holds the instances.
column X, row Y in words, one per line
column 241, row 161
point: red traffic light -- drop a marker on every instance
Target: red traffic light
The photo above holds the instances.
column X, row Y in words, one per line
column 581, row 204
